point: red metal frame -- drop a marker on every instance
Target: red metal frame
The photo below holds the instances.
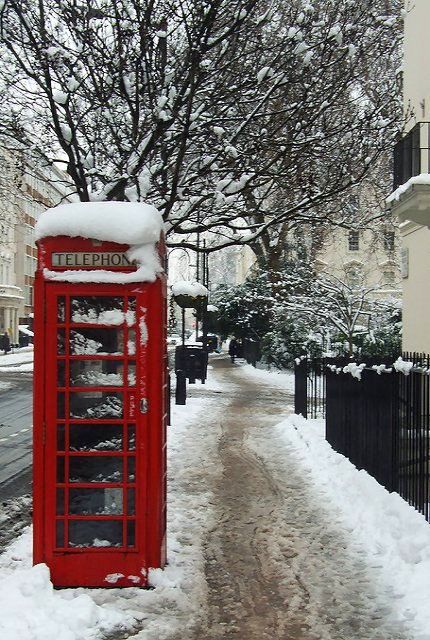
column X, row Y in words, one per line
column 53, row 460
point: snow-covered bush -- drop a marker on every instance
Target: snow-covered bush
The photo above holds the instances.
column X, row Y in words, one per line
column 245, row 310
column 288, row 311
column 286, row 341
column 386, row 338
column 256, row 309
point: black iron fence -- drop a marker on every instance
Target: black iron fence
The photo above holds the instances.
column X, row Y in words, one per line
column 310, row 385
column 414, row 433
column 361, row 421
column 412, row 154
column 377, row 416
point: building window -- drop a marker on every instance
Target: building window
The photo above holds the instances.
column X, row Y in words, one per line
column 29, row 235
column 30, row 265
column 28, row 294
column 353, row 241
column 354, row 277
column 389, row 240
column 389, row 277
column 405, row 262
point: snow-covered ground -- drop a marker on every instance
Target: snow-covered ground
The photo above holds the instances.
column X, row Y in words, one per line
column 394, row 536
column 32, row 610
column 21, row 361
column 20, row 368
column 281, row 379
column 389, row 536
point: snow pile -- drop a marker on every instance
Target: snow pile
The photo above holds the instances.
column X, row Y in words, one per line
column 114, row 317
column 131, row 223
column 31, row 609
column 334, row 369
column 354, row 369
column 185, row 288
column 395, row 537
column 381, row 368
column 422, row 178
column 136, row 224
column 403, row 366
column 23, row 328
column 282, row 380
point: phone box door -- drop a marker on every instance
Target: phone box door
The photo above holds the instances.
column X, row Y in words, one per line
column 100, row 471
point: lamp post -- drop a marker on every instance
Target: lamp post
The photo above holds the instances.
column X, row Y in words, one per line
column 190, row 295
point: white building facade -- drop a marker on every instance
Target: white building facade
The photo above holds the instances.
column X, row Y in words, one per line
column 411, row 203
column 26, row 189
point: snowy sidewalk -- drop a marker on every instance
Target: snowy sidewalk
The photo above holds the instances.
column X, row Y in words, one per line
column 21, row 360
column 271, row 535
column 277, row 565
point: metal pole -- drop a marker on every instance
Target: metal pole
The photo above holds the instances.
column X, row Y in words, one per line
column 197, row 268
column 204, row 265
column 181, row 387
column 183, row 326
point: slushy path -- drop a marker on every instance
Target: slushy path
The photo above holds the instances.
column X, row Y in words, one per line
column 275, row 565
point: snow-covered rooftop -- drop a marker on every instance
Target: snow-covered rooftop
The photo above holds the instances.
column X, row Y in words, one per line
column 131, row 223
column 134, row 223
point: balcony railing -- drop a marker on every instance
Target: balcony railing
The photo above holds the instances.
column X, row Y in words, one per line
column 412, row 154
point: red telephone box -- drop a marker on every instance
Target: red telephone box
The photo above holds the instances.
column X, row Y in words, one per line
column 99, row 417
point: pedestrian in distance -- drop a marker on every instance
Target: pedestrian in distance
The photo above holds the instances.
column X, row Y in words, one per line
column 5, row 343
column 233, row 349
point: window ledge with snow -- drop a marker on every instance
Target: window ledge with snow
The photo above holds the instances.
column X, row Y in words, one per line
column 411, row 201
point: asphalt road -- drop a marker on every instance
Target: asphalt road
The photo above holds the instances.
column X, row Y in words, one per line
column 15, row 434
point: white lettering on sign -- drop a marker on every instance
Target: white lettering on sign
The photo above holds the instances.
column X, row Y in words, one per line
column 92, row 259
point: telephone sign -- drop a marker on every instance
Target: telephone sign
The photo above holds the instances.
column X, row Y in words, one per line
column 92, row 259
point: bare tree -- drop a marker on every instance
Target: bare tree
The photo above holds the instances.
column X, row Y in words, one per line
column 344, row 306
column 232, row 116
column 11, row 197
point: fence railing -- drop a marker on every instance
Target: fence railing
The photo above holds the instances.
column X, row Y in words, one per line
column 361, row 422
column 379, row 419
column 414, row 433
column 310, row 385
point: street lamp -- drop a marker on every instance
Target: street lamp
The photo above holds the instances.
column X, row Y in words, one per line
column 190, row 295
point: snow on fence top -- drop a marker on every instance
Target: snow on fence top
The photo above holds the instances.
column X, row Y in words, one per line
column 123, row 222
column 134, row 223
column 403, row 366
column 193, row 289
column 400, row 365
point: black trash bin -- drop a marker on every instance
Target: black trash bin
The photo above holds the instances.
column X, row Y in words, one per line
column 193, row 361
column 24, row 340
